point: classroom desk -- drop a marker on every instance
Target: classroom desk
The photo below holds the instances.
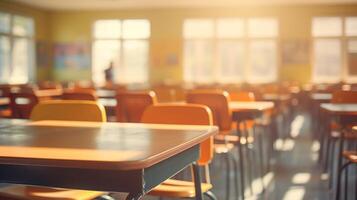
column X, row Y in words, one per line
column 101, row 93
column 10, row 122
column 321, row 97
column 48, row 93
column 244, row 111
column 108, row 102
column 4, row 101
column 117, row 157
column 344, row 114
column 276, row 97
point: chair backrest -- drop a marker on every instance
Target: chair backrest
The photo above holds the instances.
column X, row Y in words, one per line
column 5, row 90
column 131, row 105
column 344, row 97
column 241, row 96
column 69, row 110
column 218, row 102
column 22, row 104
column 186, row 114
column 79, row 94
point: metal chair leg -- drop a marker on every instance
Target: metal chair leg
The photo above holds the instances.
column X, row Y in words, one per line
column 228, row 185
column 235, row 169
column 210, row 195
column 339, row 180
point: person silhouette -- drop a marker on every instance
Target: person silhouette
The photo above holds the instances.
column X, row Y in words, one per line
column 109, row 73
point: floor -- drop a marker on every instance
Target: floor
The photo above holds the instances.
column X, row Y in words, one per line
column 294, row 173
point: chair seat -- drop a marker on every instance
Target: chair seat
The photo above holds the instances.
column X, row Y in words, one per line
column 21, row 192
column 6, row 113
column 350, row 156
column 178, row 189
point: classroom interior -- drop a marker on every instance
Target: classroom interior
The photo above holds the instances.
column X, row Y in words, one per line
column 189, row 99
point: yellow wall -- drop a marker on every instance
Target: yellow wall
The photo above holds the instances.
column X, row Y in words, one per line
column 42, row 29
column 166, row 32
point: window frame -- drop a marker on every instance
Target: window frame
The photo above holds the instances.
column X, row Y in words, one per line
column 344, row 53
column 245, row 40
column 121, row 40
column 12, row 38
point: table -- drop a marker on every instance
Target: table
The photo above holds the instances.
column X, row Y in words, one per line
column 345, row 115
column 48, row 93
column 4, row 101
column 276, row 97
column 118, row 157
column 321, row 97
column 105, row 93
column 244, row 111
column 10, row 122
column 108, row 102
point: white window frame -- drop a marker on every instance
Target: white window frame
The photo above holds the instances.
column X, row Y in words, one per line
column 245, row 40
column 12, row 37
column 344, row 40
column 121, row 48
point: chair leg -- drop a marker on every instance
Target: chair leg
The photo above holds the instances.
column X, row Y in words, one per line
column 228, row 185
column 330, row 160
column 105, row 197
column 326, row 154
column 346, row 183
column 235, row 169
column 261, row 159
column 339, row 180
column 210, row 195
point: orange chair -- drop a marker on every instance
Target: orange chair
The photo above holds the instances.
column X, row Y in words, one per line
column 131, row 105
column 5, row 110
column 198, row 115
column 21, row 104
column 338, row 97
column 242, row 96
column 218, row 102
column 79, row 94
column 58, row 110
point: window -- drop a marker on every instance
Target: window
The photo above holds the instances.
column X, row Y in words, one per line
column 16, row 48
column 217, row 50
column 262, row 36
column 330, row 42
column 125, row 44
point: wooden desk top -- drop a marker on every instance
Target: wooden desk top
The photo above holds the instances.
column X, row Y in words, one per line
column 116, row 146
column 4, row 101
column 321, row 96
column 340, row 109
column 241, row 106
column 10, row 122
column 105, row 93
column 49, row 92
column 276, row 97
column 108, row 102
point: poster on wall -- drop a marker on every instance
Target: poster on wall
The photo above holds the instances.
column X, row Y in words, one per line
column 43, row 50
column 74, row 56
column 295, row 52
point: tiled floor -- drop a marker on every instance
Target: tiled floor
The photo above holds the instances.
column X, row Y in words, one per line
column 294, row 175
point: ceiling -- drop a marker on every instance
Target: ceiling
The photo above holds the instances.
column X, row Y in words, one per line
column 125, row 4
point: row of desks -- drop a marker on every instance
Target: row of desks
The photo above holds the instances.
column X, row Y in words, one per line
column 48, row 153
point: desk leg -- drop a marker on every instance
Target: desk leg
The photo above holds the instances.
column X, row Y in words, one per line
column 134, row 196
column 197, row 179
column 241, row 161
column 339, row 164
